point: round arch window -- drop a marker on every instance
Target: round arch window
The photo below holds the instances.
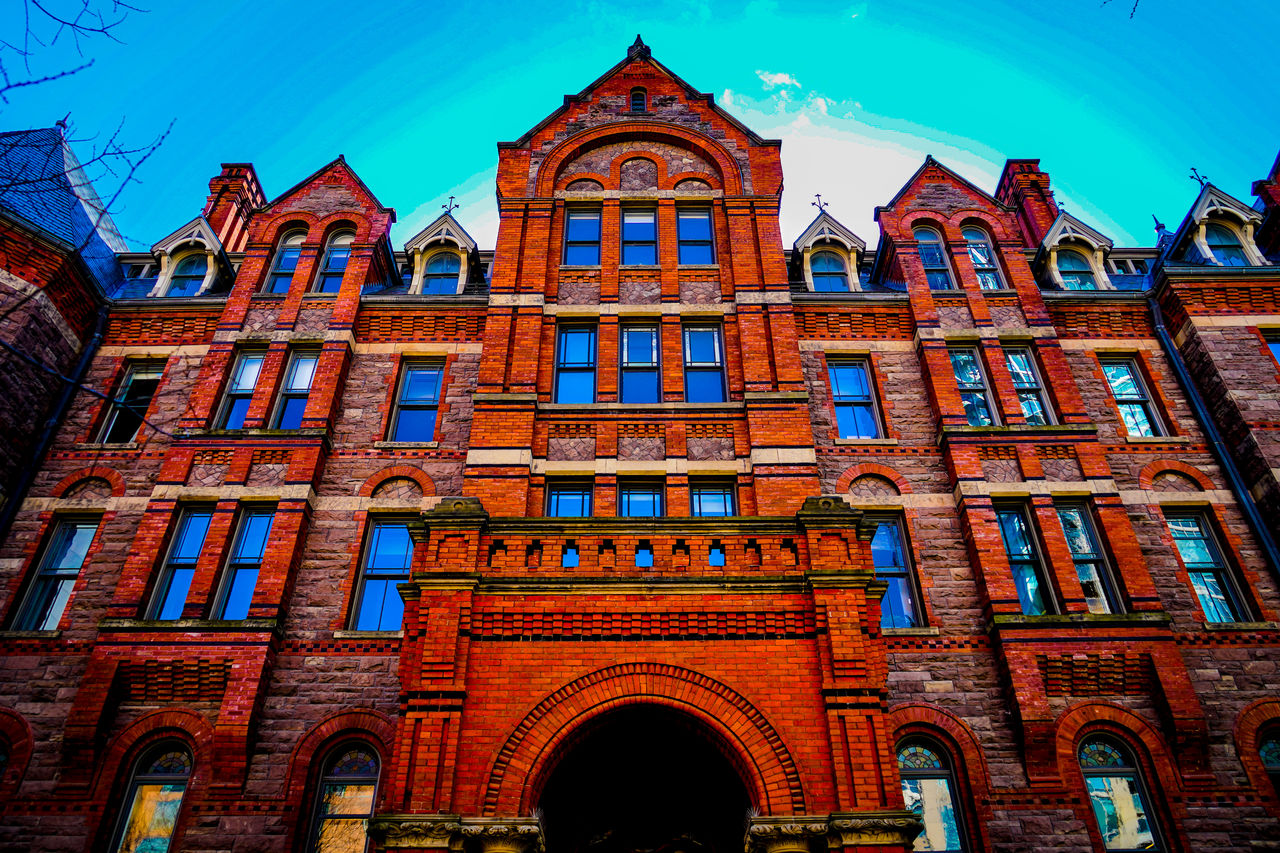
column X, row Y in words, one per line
column 1117, row 795
column 1075, row 271
column 151, row 807
column 829, row 274
column 928, row 789
column 344, row 799
column 933, row 255
column 188, row 275
column 441, row 275
column 1225, row 246
column 983, row 257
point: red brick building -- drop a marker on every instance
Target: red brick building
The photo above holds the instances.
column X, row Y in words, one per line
column 642, row 532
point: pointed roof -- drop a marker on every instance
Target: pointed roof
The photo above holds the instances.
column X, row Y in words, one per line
column 444, row 229
column 639, row 51
column 930, row 162
column 197, row 230
column 1209, row 202
column 339, row 164
column 1068, row 227
column 826, row 227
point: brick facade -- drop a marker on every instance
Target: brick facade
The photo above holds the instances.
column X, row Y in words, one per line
column 764, row 633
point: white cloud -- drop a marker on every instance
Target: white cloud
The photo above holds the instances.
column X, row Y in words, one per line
column 726, row 100
column 774, row 79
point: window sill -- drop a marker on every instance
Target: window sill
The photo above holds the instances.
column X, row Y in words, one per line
column 103, row 446
column 187, row 625
column 258, row 432
column 269, row 297
column 880, row 442
column 1002, row 291
column 314, row 295
column 368, row 635
column 698, row 266
column 406, row 445
column 1093, row 620
column 924, row 631
column 634, row 267
column 30, row 635
column 641, row 407
column 579, row 267
column 1242, row 626
column 1023, row 429
column 1158, row 439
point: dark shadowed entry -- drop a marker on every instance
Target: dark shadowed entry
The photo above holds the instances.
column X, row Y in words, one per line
column 644, row 779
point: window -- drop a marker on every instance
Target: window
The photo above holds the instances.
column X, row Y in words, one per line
column 1116, row 792
column 1022, row 368
column 973, row 387
column 56, row 575
column 188, row 275
column 1212, row 582
column 569, row 500
column 711, row 499
column 417, row 402
column 576, row 365
column 1075, row 271
column 154, row 798
column 639, row 235
column 828, row 273
column 852, row 398
column 703, row 365
column 639, row 500
column 1131, row 397
column 582, row 237
column 334, row 266
column 928, row 790
column 1096, row 580
column 638, row 100
column 933, row 255
column 1024, row 560
column 639, row 382
column 1269, row 752
column 1273, row 344
column 1225, row 246
column 129, row 406
column 898, row 608
column 180, row 564
column 693, row 235
column 441, row 275
column 344, row 801
column 388, row 554
column 241, row 574
column 296, row 389
column 239, row 393
column 983, row 258
column 286, row 262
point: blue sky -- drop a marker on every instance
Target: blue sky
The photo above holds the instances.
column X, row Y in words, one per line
column 417, row 95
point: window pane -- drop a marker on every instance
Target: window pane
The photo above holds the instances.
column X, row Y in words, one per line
column 830, row 283
column 711, row 501
column 826, row 262
column 301, row 372
column 856, row 421
column 640, row 253
column 965, row 365
column 1030, row 595
column 240, row 593
column 135, row 396
column 246, row 376
column 694, row 225
column 415, row 425
column 236, row 413
column 421, row 385
column 639, row 386
column 582, row 255
column 1136, row 421
column 287, row 260
column 640, row 503
column 1120, row 376
column 336, row 260
column 703, row 386
column 343, row 835
column 702, row 346
column 640, row 346
column 445, row 262
column 931, row 255
column 1013, row 530
column 347, row 799
column 639, row 225
column 1120, row 812
column 576, row 387
column 696, row 253
column 976, row 411
column 189, row 539
column 568, row 502
column 252, row 541
column 1213, row 597
column 849, row 381
column 583, row 225
column 390, row 547
column 291, row 412
column 70, row 545
column 381, row 607
column 577, row 347
column 886, row 548
column 175, row 593
column 152, row 817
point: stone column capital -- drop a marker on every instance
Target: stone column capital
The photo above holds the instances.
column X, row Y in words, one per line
column 887, row 828
column 785, row 834
column 505, row 835
column 415, row 830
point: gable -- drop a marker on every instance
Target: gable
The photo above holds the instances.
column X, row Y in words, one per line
column 197, row 230
column 335, row 188
column 444, row 230
column 935, row 187
column 1067, row 227
column 826, row 227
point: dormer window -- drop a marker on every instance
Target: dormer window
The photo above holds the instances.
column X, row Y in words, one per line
column 933, row 255
column 336, row 255
column 286, row 262
column 188, row 275
column 983, row 258
column 441, row 276
column 829, row 273
column 1225, row 246
column 639, row 100
column 1075, row 271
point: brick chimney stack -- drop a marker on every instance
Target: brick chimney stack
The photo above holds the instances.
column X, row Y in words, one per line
column 233, row 195
column 1023, row 186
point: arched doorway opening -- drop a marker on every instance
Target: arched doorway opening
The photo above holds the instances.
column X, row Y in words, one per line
column 644, row 779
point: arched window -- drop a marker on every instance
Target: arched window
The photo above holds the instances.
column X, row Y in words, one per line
column 188, row 275
column 336, row 255
column 441, row 277
column 934, row 257
column 1225, row 246
column 286, row 262
column 1117, row 795
column 983, row 258
column 828, row 273
column 151, row 806
column 639, row 100
column 1269, row 752
column 1075, row 271
column 344, row 800
column 928, row 789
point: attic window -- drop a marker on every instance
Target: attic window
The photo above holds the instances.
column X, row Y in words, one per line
column 188, row 275
column 639, row 100
column 1225, row 246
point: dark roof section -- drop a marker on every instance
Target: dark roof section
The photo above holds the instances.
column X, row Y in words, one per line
column 42, row 183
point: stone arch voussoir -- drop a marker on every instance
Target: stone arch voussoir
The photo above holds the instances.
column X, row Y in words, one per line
column 853, row 472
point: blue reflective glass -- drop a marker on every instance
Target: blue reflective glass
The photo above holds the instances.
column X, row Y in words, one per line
column 701, row 346
column 639, row 225
column 583, row 225
column 703, row 386
column 639, row 386
column 850, row 381
column 640, row 346
column 252, row 541
column 287, row 260
column 886, row 548
column 175, row 595
column 576, row 387
column 640, row 502
column 568, row 502
column 577, row 347
column 694, row 225
column 711, row 501
column 279, row 283
column 644, row 254
column 236, row 413
column 421, row 385
column 189, row 539
column 240, row 593
column 381, row 607
column 582, row 255
column 390, row 547
column 445, row 262
column 415, row 425
column 696, row 253
column 291, row 412
column 440, row 285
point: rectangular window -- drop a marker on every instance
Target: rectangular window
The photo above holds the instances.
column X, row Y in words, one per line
column 296, row 389
column 1214, row 586
column 582, row 237
column 639, row 500
column 1096, row 580
column 336, row 258
column 285, row 265
column 1273, row 344
column 129, row 406
column 576, row 365
column 241, row 573
column 417, row 402
column 388, row 556
column 1026, row 381
column 239, row 393
column 898, row 608
column 693, row 236
column 973, row 387
column 1131, row 397
column 703, row 365
column 853, row 400
column 711, row 500
column 56, row 575
column 1024, row 560
column 569, row 500
column 180, row 564
column 639, row 236
column 639, row 382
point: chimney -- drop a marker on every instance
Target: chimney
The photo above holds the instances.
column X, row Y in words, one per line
column 1024, row 187
column 233, row 196
column 1268, row 192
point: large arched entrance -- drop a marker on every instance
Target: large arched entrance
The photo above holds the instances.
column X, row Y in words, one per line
column 644, row 778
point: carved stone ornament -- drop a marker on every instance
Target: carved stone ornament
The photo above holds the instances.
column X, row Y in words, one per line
column 876, row 828
column 500, row 835
column 788, row 834
column 404, row 830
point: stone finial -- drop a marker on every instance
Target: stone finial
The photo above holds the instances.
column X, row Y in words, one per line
column 638, row 48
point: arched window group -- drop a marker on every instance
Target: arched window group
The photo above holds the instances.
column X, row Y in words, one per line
column 978, row 246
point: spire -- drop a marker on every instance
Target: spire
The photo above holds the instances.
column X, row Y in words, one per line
column 638, row 49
